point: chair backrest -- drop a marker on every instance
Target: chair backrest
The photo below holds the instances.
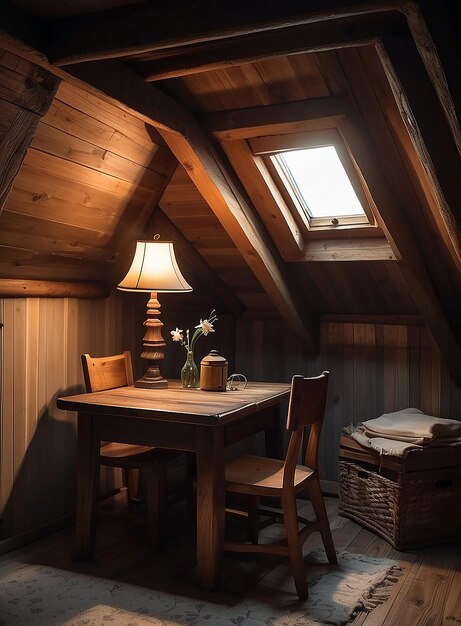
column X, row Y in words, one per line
column 306, row 408
column 107, row 372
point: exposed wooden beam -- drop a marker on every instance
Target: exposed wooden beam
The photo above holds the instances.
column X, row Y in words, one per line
column 215, row 181
column 19, row 288
column 276, row 118
column 426, row 124
column 266, row 198
column 122, row 90
column 435, row 30
column 26, row 99
column 189, row 257
column 223, row 53
column 350, row 249
column 142, row 27
column 123, row 85
column 399, row 232
column 425, row 192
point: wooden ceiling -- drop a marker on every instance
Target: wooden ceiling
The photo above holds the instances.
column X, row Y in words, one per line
column 144, row 87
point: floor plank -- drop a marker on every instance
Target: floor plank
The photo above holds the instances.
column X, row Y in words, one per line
column 427, row 592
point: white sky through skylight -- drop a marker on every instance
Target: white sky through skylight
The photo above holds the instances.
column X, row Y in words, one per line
column 322, row 182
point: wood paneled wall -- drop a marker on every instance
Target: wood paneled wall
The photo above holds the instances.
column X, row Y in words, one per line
column 92, row 176
column 375, row 368
column 42, row 342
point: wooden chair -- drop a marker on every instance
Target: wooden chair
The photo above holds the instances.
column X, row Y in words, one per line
column 259, row 476
column 109, row 372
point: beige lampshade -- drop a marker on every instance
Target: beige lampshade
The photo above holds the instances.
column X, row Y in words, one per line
column 154, row 268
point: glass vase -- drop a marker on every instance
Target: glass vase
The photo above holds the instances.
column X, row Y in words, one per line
column 189, row 374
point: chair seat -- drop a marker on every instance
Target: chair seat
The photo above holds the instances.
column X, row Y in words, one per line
column 260, row 475
column 137, row 456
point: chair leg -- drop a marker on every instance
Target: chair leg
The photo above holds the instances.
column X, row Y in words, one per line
column 156, row 503
column 318, row 504
column 290, row 514
column 253, row 519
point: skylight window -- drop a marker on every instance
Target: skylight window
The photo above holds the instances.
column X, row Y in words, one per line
column 320, row 182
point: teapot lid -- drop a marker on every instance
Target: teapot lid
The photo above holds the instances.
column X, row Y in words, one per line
column 213, row 358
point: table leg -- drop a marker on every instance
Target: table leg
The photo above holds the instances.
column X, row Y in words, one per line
column 210, row 505
column 274, row 436
column 87, row 488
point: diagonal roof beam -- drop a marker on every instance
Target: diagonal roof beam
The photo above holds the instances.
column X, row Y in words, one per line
column 143, row 27
column 412, row 264
column 311, row 37
column 217, row 183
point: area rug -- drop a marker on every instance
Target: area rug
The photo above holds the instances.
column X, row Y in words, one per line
column 47, row 596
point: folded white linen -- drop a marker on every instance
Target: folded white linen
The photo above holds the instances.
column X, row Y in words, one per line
column 388, row 447
column 412, row 426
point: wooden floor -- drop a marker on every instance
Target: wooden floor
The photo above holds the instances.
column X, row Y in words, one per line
column 427, row 593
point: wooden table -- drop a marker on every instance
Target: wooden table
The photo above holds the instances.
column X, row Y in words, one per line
column 192, row 420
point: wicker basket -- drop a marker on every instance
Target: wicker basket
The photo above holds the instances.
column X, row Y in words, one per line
column 407, row 509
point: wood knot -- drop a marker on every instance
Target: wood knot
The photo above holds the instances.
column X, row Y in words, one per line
column 39, row 197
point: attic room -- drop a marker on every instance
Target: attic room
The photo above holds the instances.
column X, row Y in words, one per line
column 230, row 312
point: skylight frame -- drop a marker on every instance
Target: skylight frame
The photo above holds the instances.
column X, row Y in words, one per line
column 271, row 146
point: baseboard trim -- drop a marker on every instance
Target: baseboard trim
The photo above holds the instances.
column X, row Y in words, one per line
column 29, row 536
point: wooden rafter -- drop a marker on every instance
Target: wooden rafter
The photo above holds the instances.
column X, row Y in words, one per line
column 29, row 101
column 399, row 233
column 276, row 118
column 435, row 36
column 210, row 173
column 216, row 182
column 427, row 125
column 141, row 28
column 312, row 37
column 266, row 198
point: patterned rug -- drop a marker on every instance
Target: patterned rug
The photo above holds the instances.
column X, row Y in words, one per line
column 47, row 596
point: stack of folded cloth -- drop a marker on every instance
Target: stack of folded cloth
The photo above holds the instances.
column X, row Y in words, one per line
column 397, row 433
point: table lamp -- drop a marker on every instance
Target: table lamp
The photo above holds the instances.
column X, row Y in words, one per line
column 154, row 270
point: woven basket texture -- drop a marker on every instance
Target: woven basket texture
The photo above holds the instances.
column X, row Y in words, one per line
column 414, row 510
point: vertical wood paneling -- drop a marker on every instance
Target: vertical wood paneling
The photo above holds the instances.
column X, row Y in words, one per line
column 19, row 380
column 7, row 425
column 42, row 342
column 374, row 368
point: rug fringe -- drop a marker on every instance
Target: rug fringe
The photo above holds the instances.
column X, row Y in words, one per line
column 378, row 593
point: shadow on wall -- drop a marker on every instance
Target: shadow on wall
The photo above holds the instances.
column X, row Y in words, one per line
column 44, row 488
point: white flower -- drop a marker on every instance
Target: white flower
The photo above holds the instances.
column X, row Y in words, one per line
column 205, row 326
column 177, row 334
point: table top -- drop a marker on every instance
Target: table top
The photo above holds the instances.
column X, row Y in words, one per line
column 178, row 404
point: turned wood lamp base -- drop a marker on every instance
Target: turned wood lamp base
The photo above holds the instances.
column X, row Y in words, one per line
column 154, row 346
column 152, row 382
column 154, row 263
column 144, row 383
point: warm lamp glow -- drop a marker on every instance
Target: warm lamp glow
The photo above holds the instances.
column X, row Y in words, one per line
column 154, row 269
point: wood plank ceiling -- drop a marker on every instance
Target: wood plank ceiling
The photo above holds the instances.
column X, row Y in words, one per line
column 102, row 157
